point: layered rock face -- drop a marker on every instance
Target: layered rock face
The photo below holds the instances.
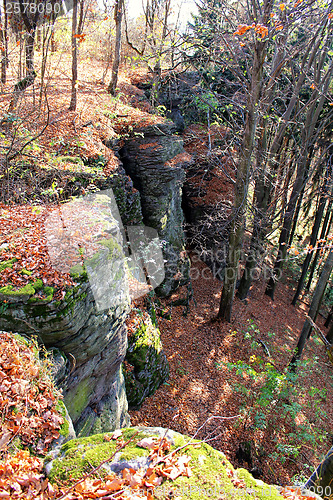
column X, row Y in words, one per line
column 95, row 343
column 155, row 161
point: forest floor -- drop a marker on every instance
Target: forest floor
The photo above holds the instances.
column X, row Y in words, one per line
column 201, row 386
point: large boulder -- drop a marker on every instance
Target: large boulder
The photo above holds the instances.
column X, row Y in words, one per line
column 86, row 323
column 94, row 341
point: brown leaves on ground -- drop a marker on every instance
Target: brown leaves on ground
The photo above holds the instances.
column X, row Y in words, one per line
column 199, row 349
column 28, row 399
column 24, row 242
column 21, row 477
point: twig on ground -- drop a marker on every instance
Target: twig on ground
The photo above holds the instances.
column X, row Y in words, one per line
column 98, row 467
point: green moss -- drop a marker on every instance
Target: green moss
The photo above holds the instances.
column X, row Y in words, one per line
column 61, row 408
column 29, row 289
column 49, row 292
column 112, row 245
column 7, row 263
column 78, row 272
column 210, row 468
column 71, row 159
column 10, row 291
column 210, row 478
column 80, row 455
column 25, row 272
column 38, row 285
column 164, row 221
column 78, row 399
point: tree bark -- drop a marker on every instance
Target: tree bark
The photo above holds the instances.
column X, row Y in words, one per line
column 329, row 318
column 322, row 476
column 72, row 105
column 242, row 184
column 4, row 43
column 329, row 336
column 313, row 241
column 311, row 120
column 313, row 311
column 118, row 14
column 323, row 236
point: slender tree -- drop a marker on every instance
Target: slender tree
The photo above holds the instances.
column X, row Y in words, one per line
column 118, row 16
column 243, row 169
column 314, row 308
column 313, row 239
column 323, row 237
column 317, row 100
column 4, row 41
column 329, row 336
column 72, row 105
column 329, row 318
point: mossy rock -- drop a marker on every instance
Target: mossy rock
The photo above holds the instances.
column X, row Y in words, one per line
column 213, row 476
column 28, row 290
column 7, row 263
column 149, row 364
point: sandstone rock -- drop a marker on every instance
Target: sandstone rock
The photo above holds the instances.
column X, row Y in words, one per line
column 149, row 364
column 94, row 341
column 156, row 164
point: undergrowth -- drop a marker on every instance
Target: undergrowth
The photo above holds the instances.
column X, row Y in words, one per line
column 274, row 403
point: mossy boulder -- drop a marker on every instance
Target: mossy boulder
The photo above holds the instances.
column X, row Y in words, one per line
column 213, row 476
column 146, row 364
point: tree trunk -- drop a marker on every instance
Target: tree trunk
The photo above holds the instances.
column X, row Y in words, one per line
column 4, row 43
column 22, row 85
column 299, row 203
column 313, row 311
column 241, row 187
column 323, row 236
column 72, row 106
column 263, row 196
column 258, row 234
column 311, row 120
column 118, row 14
column 288, row 218
column 313, row 241
column 321, row 480
column 329, row 336
column 329, row 318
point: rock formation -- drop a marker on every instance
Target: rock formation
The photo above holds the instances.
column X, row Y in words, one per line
column 211, row 475
column 146, row 365
column 89, row 342
column 155, row 161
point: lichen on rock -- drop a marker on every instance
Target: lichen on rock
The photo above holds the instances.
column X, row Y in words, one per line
column 146, row 365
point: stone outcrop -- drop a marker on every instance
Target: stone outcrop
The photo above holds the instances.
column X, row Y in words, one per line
column 93, row 341
column 212, row 475
column 146, row 366
column 155, row 161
